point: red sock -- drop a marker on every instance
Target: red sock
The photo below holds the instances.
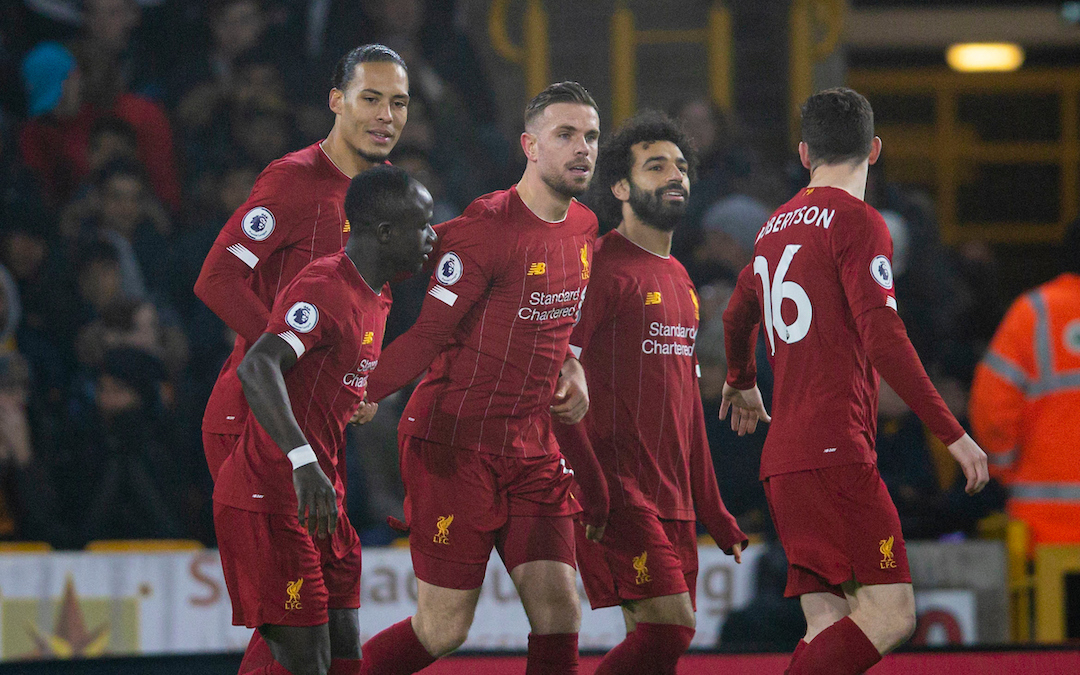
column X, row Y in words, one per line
column 795, row 656
column 552, row 654
column 257, row 654
column 395, row 651
column 272, row 668
column 840, row 649
column 345, row 667
column 653, row 648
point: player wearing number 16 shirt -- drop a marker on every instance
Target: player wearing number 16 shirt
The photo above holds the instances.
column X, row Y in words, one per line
column 821, row 287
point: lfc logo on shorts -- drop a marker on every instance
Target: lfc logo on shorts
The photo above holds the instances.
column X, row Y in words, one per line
column 887, row 560
column 443, row 535
column 293, row 589
column 642, row 570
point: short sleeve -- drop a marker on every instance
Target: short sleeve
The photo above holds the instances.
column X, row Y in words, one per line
column 863, row 250
column 265, row 222
column 303, row 315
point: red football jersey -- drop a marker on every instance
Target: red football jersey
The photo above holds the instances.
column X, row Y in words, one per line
column 501, row 303
column 636, row 339
column 295, row 214
column 334, row 322
column 823, row 259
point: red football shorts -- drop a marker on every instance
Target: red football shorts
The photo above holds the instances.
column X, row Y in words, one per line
column 278, row 574
column 837, row 524
column 460, row 503
column 217, row 448
column 639, row 557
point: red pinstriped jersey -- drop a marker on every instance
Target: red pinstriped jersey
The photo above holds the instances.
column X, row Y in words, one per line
column 334, row 322
column 294, row 215
column 636, row 340
column 504, row 296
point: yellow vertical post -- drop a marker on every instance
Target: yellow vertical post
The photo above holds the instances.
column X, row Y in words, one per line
column 1016, row 546
column 800, row 63
column 623, row 64
column 718, row 45
column 537, row 60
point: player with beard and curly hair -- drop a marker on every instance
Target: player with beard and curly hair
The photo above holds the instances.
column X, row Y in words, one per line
column 638, row 547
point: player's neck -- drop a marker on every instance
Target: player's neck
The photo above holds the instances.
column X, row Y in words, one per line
column 368, row 262
column 649, row 238
column 545, row 203
column 847, row 177
column 344, row 157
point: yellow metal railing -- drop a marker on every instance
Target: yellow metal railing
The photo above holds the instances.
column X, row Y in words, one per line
column 815, row 29
column 532, row 54
column 626, row 38
column 1052, row 563
column 947, row 148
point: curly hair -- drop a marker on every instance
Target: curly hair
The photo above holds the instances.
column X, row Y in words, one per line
column 616, row 158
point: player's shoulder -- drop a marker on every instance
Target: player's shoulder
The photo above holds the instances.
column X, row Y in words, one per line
column 476, row 222
column 298, row 164
column 582, row 215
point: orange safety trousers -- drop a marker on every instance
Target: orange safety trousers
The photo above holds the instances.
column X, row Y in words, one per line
column 1025, row 409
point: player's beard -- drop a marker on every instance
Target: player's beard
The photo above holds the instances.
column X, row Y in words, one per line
column 373, row 158
column 564, row 186
column 651, row 208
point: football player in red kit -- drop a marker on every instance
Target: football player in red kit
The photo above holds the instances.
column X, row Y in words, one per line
column 293, row 216
column 291, row 558
column 821, row 284
column 636, row 340
column 479, row 462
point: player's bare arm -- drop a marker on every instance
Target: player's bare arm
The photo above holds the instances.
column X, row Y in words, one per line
column 262, row 374
column 571, row 399
column 365, row 412
column 747, row 409
column 972, row 460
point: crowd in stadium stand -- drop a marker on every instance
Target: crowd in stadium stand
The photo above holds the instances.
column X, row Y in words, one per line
column 130, row 132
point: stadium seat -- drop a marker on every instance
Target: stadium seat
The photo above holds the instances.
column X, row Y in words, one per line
column 142, row 545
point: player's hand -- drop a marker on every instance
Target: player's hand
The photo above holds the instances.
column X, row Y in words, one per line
column 972, row 460
column 736, row 552
column 571, row 400
column 747, row 409
column 316, row 500
column 595, row 533
column 365, row 413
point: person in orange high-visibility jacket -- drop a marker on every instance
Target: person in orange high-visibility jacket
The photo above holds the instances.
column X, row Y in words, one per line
column 1025, row 403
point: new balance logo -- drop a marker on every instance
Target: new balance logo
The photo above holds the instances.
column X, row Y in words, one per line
column 536, row 269
column 369, row 337
column 652, row 298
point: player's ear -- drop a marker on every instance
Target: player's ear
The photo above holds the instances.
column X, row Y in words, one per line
column 384, row 232
column 337, row 101
column 804, row 155
column 621, row 190
column 875, row 149
column 528, row 145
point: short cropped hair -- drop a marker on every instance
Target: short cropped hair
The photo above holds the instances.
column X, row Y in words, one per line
column 373, row 53
column 376, row 195
column 837, row 126
column 616, row 158
column 560, row 92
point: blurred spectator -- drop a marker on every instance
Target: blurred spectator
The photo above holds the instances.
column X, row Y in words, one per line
column 131, row 486
column 55, row 141
column 729, row 228
column 120, row 209
column 1024, row 401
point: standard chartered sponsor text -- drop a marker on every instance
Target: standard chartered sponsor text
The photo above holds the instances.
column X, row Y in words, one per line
column 538, row 300
column 663, row 330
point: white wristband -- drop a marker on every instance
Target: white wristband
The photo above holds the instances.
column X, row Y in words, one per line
column 301, row 456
